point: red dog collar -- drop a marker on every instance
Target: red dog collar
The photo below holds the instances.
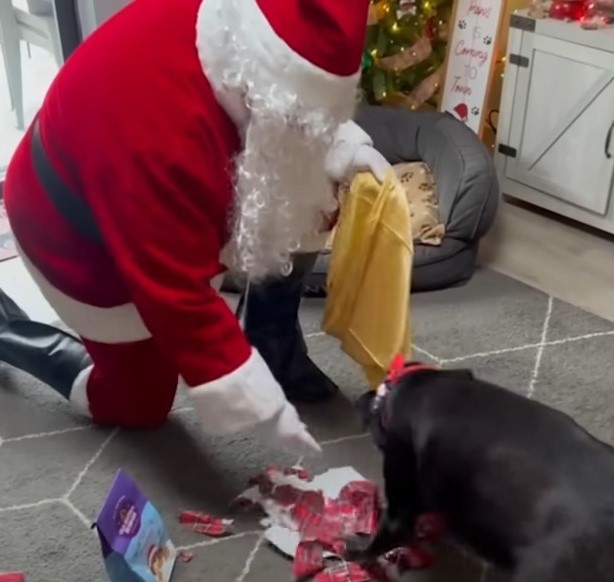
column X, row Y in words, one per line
column 399, row 369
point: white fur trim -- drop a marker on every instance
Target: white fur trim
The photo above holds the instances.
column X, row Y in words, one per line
column 277, row 62
column 78, row 393
column 246, row 397
column 108, row 325
column 340, row 158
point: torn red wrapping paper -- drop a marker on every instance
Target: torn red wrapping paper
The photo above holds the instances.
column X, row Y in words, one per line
column 330, row 521
column 323, row 525
column 309, row 560
column 344, row 572
column 12, row 577
column 205, row 524
column 272, row 478
column 299, row 472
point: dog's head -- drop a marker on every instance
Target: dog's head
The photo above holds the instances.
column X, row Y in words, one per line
column 372, row 405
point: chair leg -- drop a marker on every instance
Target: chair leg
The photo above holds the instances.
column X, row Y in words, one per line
column 11, row 50
column 55, row 42
column 17, row 82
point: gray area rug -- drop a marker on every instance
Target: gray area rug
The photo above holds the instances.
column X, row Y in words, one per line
column 55, row 470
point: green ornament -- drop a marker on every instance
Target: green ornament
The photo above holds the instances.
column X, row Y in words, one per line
column 367, row 61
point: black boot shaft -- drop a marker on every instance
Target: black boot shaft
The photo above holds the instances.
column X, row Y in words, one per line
column 46, row 352
column 272, row 326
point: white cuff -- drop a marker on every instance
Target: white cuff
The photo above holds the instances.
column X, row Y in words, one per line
column 78, row 392
column 340, row 157
column 246, row 397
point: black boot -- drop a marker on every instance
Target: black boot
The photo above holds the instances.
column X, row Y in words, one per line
column 46, row 352
column 272, row 326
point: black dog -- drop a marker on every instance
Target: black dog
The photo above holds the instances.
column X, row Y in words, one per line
column 521, row 483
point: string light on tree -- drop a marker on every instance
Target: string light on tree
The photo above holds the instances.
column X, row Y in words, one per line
column 406, row 49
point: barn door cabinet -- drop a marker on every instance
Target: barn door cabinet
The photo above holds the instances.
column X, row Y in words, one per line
column 555, row 142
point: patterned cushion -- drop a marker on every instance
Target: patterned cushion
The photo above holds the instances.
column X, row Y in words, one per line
column 421, row 191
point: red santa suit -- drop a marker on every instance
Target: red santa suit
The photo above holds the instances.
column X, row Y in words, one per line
column 137, row 128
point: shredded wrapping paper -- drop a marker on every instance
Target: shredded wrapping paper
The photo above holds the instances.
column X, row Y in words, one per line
column 205, row 524
column 311, row 524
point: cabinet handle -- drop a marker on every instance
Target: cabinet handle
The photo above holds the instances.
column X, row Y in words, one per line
column 608, row 139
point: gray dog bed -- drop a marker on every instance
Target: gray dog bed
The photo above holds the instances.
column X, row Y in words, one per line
column 467, row 187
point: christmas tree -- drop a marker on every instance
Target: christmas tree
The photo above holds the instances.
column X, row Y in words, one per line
column 406, row 49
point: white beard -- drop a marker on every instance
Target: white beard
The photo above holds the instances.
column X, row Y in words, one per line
column 282, row 192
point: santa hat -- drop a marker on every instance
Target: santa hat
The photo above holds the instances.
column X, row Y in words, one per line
column 462, row 112
column 308, row 48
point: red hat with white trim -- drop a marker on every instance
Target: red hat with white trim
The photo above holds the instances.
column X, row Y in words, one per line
column 462, row 111
column 309, row 48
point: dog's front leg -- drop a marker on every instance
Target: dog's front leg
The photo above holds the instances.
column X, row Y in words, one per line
column 397, row 525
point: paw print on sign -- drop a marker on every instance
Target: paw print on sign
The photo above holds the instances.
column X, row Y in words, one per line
column 475, row 111
column 462, row 24
column 487, row 40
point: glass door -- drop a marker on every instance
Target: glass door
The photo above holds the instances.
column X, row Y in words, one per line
column 36, row 37
column 33, row 47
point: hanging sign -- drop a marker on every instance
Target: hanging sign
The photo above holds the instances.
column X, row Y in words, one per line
column 471, row 59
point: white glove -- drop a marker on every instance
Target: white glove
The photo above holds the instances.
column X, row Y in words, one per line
column 286, row 432
column 368, row 159
column 250, row 399
column 352, row 151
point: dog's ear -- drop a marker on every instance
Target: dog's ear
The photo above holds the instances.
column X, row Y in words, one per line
column 461, row 374
column 363, row 407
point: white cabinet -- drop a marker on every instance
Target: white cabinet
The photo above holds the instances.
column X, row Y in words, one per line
column 555, row 142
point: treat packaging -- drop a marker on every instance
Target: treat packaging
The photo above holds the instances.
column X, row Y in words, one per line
column 135, row 545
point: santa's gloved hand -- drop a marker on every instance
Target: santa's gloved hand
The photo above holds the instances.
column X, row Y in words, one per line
column 352, row 152
column 368, row 159
column 286, row 432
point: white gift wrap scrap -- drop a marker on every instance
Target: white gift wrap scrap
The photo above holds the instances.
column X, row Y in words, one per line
column 278, row 530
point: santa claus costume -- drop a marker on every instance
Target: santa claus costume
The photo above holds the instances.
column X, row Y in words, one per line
column 182, row 138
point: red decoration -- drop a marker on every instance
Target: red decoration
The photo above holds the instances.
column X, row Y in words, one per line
column 598, row 13
column 430, row 29
column 13, row 577
column 567, row 9
column 462, row 112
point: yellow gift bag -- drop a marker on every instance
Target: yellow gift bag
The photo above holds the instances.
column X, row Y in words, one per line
column 369, row 275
